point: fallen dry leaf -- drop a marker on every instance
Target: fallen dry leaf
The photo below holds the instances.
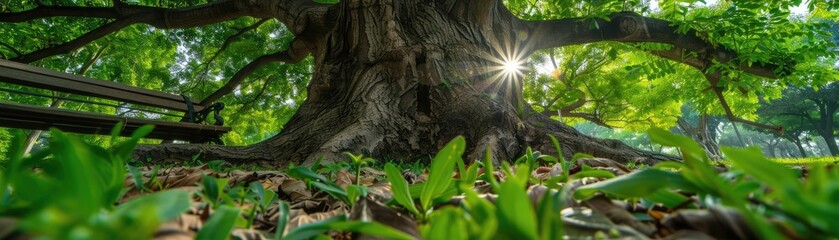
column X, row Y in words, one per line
column 716, row 221
column 369, row 210
column 618, row 215
column 304, row 218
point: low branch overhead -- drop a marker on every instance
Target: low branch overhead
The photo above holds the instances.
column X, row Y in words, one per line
column 630, row 27
column 294, row 54
column 123, row 15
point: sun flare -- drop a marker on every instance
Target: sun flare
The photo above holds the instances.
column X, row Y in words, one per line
column 511, row 67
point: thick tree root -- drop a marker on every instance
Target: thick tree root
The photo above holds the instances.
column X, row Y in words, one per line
column 188, row 153
column 505, row 145
column 572, row 142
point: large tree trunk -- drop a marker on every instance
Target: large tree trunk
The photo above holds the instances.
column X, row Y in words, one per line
column 397, row 79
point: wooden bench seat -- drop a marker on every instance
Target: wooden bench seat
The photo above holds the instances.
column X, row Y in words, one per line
column 16, row 115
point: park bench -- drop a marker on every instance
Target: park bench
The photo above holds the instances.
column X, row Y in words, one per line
column 190, row 128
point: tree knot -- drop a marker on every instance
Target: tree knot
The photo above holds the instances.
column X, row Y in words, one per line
column 630, row 24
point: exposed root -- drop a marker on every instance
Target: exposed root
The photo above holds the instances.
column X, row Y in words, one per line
column 572, row 141
column 504, row 146
column 186, row 153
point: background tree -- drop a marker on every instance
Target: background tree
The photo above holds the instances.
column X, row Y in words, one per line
column 817, row 109
column 401, row 78
column 702, row 127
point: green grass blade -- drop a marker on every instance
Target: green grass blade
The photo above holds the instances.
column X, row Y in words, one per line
column 220, row 224
column 446, row 223
column 441, row 171
column 372, row 229
column 313, row 229
column 400, row 188
column 169, row 204
column 638, row 184
column 753, row 162
column 282, row 221
column 515, row 212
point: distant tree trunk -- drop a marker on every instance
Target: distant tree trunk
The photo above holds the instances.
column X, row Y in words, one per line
column 800, row 147
column 701, row 133
column 770, row 147
column 830, row 140
column 737, row 131
column 825, row 128
column 787, row 151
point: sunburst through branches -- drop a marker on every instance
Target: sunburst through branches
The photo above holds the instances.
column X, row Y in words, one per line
column 507, row 68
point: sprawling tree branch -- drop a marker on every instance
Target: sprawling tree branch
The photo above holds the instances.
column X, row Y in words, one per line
column 13, row 49
column 124, row 15
column 205, row 68
column 80, row 41
column 631, row 27
column 165, row 18
column 296, row 52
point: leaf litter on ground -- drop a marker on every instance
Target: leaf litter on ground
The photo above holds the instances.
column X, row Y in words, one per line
column 598, row 198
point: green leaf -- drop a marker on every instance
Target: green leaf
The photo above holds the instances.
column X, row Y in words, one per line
column 333, row 190
column 313, row 229
column 752, row 161
column 515, row 212
column 400, row 188
column 669, row 165
column 595, row 173
column 688, row 147
column 372, row 229
column 354, row 192
column 220, row 224
column 441, row 171
column 489, row 170
column 77, row 172
column 548, row 212
column 446, row 223
column 137, row 178
column 303, row 173
column 212, row 190
column 168, row 204
column 668, row 198
column 469, row 178
column 485, row 221
column 125, row 149
column 283, row 213
column 115, row 132
column 320, row 182
column 340, row 223
column 637, row 184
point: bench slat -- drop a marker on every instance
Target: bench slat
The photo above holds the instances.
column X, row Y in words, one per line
column 27, row 75
column 34, row 117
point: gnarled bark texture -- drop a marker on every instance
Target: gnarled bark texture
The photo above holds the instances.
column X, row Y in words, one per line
column 400, row 78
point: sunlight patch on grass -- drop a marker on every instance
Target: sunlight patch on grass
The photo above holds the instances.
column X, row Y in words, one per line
column 806, row 161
